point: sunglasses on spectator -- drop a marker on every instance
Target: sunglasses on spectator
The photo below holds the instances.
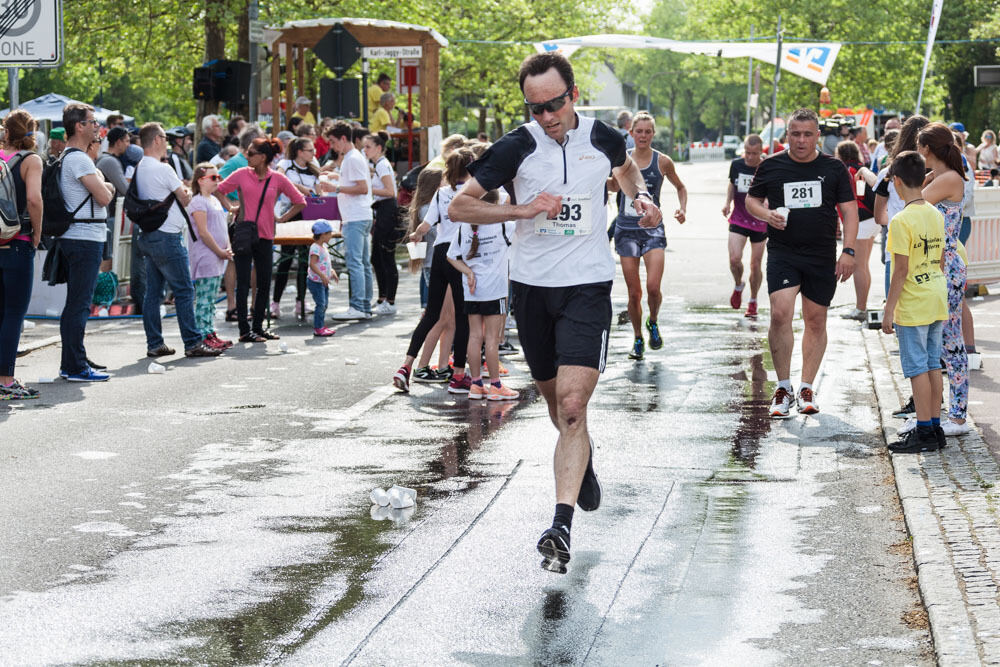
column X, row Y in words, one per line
column 211, row 177
column 90, row 121
column 553, row 105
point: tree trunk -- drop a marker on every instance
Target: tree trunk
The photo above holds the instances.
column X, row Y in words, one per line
column 672, row 102
column 482, row 119
column 215, row 49
column 444, row 121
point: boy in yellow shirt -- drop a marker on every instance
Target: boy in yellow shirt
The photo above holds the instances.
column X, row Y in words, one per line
column 918, row 300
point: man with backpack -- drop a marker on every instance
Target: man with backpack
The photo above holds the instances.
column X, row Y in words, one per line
column 82, row 195
column 156, row 182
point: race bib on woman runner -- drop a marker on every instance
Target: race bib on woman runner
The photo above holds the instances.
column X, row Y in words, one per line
column 573, row 219
column 803, row 194
column 743, row 182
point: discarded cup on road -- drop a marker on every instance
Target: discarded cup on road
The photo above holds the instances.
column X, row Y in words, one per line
column 156, row 369
column 283, row 346
column 379, row 497
column 350, row 362
column 401, row 517
column 412, row 493
column 399, row 498
column 379, row 513
column 46, row 380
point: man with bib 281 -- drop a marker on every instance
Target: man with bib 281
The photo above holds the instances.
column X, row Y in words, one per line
column 561, row 266
column 797, row 193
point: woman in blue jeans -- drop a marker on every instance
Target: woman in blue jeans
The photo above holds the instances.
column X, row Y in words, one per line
column 17, row 255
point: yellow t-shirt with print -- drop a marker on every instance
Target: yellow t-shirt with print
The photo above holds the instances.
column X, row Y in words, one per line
column 918, row 232
column 380, row 120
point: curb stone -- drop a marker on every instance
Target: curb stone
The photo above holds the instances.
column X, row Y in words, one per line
column 951, row 627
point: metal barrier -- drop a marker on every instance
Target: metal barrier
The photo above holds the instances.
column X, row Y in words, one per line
column 711, row 150
column 983, row 247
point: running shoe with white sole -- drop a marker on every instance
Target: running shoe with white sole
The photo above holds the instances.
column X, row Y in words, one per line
column 781, row 403
column 507, row 348
column 427, row 374
column 751, row 310
column 478, row 392
column 855, row 314
column 457, row 386
column 907, row 410
column 554, row 547
column 655, row 340
column 907, row 426
column 501, row 393
column 16, row 392
column 589, row 498
column 805, row 402
column 401, row 380
column 638, row 350
column 954, row 428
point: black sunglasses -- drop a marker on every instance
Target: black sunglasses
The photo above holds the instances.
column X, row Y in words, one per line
column 553, row 105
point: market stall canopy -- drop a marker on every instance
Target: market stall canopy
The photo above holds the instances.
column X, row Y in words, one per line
column 290, row 41
column 810, row 60
column 50, row 107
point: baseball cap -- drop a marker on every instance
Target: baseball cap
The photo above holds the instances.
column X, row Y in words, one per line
column 302, row 100
column 321, row 227
column 958, row 127
column 58, row 133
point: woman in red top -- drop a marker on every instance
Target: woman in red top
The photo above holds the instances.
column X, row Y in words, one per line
column 259, row 187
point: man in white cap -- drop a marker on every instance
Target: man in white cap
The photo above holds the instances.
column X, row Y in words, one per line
column 303, row 110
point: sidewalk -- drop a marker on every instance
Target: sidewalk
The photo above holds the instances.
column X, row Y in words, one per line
column 950, row 502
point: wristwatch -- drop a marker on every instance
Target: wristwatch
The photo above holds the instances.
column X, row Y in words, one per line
column 643, row 194
column 849, row 251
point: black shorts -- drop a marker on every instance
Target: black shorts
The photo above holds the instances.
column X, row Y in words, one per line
column 755, row 237
column 563, row 326
column 494, row 307
column 815, row 276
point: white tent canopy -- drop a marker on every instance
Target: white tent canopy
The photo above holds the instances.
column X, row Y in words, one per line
column 50, row 107
column 811, row 60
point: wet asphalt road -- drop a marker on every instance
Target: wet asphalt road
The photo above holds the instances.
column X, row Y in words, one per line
column 219, row 513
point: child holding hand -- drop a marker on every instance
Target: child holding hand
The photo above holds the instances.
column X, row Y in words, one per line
column 319, row 276
column 918, row 300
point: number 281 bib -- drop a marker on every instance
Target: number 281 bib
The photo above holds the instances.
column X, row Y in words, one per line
column 803, row 194
column 574, row 218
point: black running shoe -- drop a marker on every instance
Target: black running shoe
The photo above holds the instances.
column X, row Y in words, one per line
column 589, row 498
column 907, row 411
column 920, row 439
column 554, row 547
column 507, row 348
column 427, row 374
column 638, row 347
column 655, row 340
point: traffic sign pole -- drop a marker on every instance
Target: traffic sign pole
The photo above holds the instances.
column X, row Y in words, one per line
column 13, row 86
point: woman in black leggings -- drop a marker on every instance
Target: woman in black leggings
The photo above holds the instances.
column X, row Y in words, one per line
column 443, row 274
column 385, row 232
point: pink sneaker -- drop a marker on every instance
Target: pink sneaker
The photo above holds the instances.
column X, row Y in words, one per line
column 324, row 332
column 502, row 393
column 477, row 392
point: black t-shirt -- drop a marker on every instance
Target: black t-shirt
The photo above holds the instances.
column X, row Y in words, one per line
column 737, row 167
column 812, row 191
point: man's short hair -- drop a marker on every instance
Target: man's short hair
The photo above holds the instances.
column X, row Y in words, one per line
column 341, row 130
column 909, row 167
column 383, row 77
column 623, row 118
column 540, row 63
column 114, row 119
column 116, row 134
column 385, row 97
column 753, row 140
column 249, row 133
column 804, row 116
column 208, row 121
column 234, row 123
column 148, row 134
column 75, row 113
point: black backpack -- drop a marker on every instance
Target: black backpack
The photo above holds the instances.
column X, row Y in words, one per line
column 150, row 214
column 55, row 218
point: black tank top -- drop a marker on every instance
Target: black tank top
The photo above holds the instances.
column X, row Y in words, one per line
column 627, row 219
column 20, row 192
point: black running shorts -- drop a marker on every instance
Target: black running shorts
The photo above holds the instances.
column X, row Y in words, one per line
column 815, row 276
column 755, row 237
column 494, row 307
column 563, row 326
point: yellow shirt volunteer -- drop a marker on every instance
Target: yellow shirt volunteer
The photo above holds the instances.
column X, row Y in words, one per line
column 379, row 120
column 308, row 118
column 375, row 93
column 918, row 232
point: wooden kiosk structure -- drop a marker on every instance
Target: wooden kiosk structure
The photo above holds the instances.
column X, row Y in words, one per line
column 290, row 41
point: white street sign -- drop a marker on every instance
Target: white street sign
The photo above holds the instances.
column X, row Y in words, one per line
column 256, row 32
column 375, row 52
column 31, row 33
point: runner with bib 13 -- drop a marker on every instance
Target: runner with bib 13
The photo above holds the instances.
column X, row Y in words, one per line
column 798, row 193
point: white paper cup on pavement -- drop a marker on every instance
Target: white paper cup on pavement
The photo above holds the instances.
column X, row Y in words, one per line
column 411, row 493
column 283, row 346
column 417, row 250
column 46, row 380
column 379, row 497
column 156, row 369
column 399, row 499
